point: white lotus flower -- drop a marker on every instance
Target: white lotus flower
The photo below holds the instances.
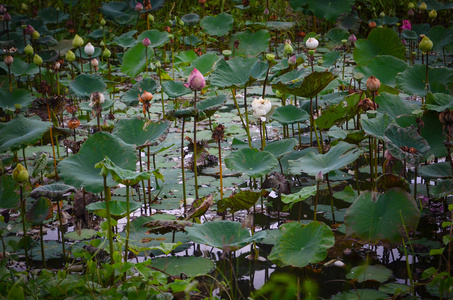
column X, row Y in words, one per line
column 89, row 49
column 312, row 43
column 261, row 107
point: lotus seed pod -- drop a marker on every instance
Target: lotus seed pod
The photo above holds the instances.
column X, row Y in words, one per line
column 9, row 60
column 432, row 14
column 359, row 76
column 311, row 52
column 426, row 44
column 145, row 97
column 104, row 172
column 77, row 41
column 423, row 6
column 227, row 53
column 344, row 41
column 70, row 56
column 37, row 60
column 20, row 174
column 103, row 22
column 107, row 53
column 35, row 35
column 320, row 62
column 29, row 50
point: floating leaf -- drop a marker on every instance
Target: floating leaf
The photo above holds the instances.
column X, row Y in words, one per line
column 250, row 43
column 363, row 273
column 242, row 200
column 86, row 84
column 140, row 132
column 175, row 89
column 17, row 96
column 219, row 25
column 238, row 72
column 282, row 147
column 413, row 80
column 301, row 195
column 290, row 114
column 189, row 266
column 360, row 294
column 251, row 162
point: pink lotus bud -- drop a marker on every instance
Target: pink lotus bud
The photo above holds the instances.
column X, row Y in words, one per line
column 266, row 11
column 29, row 30
column 9, row 60
column 404, row 42
column 410, row 12
column 292, row 60
column 196, row 80
column 146, row 42
column 352, row 38
column 406, row 25
column 138, row 7
column 6, row 17
column 2, row 9
column 319, row 177
column 388, row 156
column 94, row 62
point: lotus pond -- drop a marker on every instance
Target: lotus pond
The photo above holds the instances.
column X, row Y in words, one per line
column 212, row 149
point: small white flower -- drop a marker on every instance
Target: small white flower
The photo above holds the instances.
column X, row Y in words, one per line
column 312, row 43
column 261, row 107
column 89, row 49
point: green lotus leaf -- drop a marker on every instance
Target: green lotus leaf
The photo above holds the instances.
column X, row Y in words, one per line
column 413, row 80
column 20, row 67
column 347, row 195
column 279, row 25
column 281, row 148
column 126, row 40
column 337, row 35
column 118, row 209
column 21, row 132
column 86, row 84
column 210, row 106
column 436, row 171
column 384, row 67
column 377, row 126
column 359, row 294
column 204, row 64
column 97, row 53
column 394, row 105
column 389, row 180
column 51, row 15
column 442, row 188
column 79, row 235
column 17, row 96
column 330, row 58
column 49, row 55
column 134, row 59
column 410, row 35
column 291, row 79
column 131, row 96
column 9, row 198
column 438, row 102
column 156, row 37
column 219, row 25
column 140, row 132
column 78, row 170
column 190, row 266
column 304, row 194
column 238, row 72
column 440, row 36
column 363, row 273
column 396, row 138
column 290, row 114
column 85, row 106
column 118, row 12
column 376, row 217
column 190, row 19
column 433, row 133
column 52, row 250
column 330, row 10
column 338, row 157
column 225, row 235
column 311, row 85
column 250, row 43
column 124, row 176
column 242, row 200
column 339, row 113
column 175, row 89
column 380, row 41
column 54, row 191
column 96, row 34
column 190, row 40
column 40, row 211
column 251, row 162
column 300, row 245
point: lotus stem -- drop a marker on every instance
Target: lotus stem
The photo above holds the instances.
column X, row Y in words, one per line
column 312, row 121
column 316, row 200
column 370, row 143
column 146, row 59
column 81, row 61
column 61, row 231
column 149, row 180
column 265, row 81
column 43, row 257
column 245, row 125
column 221, row 174
column 143, row 181
column 128, row 223
column 195, row 158
column 162, row 93
column 9, row 78
column 108, row 197
column 317, row 138
column 427, row 82
column 182, row 165
column 22, row 208
column 331, row 197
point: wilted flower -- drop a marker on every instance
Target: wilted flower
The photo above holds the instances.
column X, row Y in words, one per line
column 96, row 99
column 358, row 76
column 373, row 84
column 219, row 133
column 195, row 81
column 410, row 12
column 20, row 174
column 9, row 60
column 77, row 41
column 406, row 25
column 261, row 107
column 292, row 60
column 73, row 123
column 426, row 44
column 89, row 49
column 312, row 43
column 145, row 97
column 266, row 11
column 70, row 56
column 352, row 38
column 367, row 104
column 146, row 42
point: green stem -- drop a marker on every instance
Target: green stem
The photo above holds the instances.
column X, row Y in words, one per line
column 331, row 197
column 108, row 197
column 182, row 165
column 61, row 232
column 195, row 156
column 24, row 228
column 316, row 200
column 128, row 217
column 162, row 94
column 246, row 126
column 43, row 257
column 220, row 165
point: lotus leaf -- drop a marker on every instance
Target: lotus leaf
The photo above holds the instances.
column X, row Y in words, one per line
column 251, row 162
column 290, row 114
column 190, row 266
column 440, row 36
column 79, row 171
column 140, row 132
column 384, row 67
column 376, row 126
column 336, row 35
column 239, row 201
column 20, row 68
column 190, row 19
column 339, row 113
column 238, row 72
column 439, row 102
column 17, row 96
column 376, row 217
column 124, row 176
column 126, row 40
column 205, row 109
column 86, row 84
column 300, row 245
column 375, row 272
column 433, row 133
column 131, row 96
column 9, row 198
column 175, row 89
column 394, row 105
column 359, row 294
column 83, row 234
column 156, row 37
column 226, row 235
column 380, row 41
column 219, row 25
column 51, row 15
column 250, row 43
column 347, row 195
column 436, row 171
column 134, row 59
column 389, row 180
column 281, row 148
column 413, row 80
column 40, row 211
column 21, row 132
column 302, row 195
column 54, row 191
column 204, row 64
column 118, row 209
column 311, row 86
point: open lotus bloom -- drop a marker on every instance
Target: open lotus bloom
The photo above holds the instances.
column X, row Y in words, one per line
column 261, row 107
column 195, row 81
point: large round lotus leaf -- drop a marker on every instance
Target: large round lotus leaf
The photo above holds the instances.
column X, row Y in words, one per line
column 377, row 126
column 210, row 106
column 131, row 96
column 19, row 67
column 290, row 114
column 251, row 162
column 225, row 235
column 442, row 188
column 8, row 196
column 279, row 25
column 123, row 176
column 380, row 41
column 139, row 132
column 156, row 37
column 242, row 200
column 250, row 43
column 330, row 58
column 410, row 35
column 282, row 147
column 21, row 132
column 49, row 55
column 338, row 157
column 336, row 35
column 190, row 19
column 394, row 105
column 300, row 245
column 363, row 273
column 78, row 170
column 389, row 180
column 79, row 235
column 54, row 191
column 384, row 67
column 125, row 40
column 118, row 209
column 96, row 34
column 52, row 250
column 118, row 12
column 376, row 217
column 360, row 294
column 329, row 10
column 17, row 96
column 40, row 211
column 400, row 140
column 134, row 60
column 438, row 102
column 440, row 36
column 189, row 266
column 311, row 86
column 175, row 89
column 238, row 72
column 292, row 78
column 86, row 84
column 13, row 40
column 339, row 113
column 219, row 25
column 51, row 15
column 413, row 80
column 436, row 171
column 85, row 106
column 204, row 64
column 433, row 133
